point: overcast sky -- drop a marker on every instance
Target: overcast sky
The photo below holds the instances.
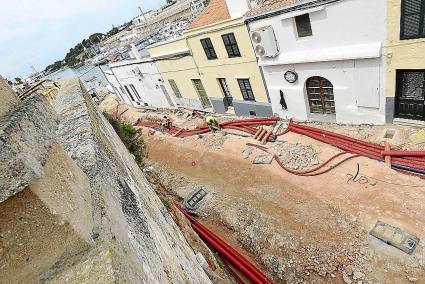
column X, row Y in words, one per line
column 39, row 32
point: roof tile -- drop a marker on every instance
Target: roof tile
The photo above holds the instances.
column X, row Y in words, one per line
column 215, row 12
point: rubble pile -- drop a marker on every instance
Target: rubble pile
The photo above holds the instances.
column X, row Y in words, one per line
column 214, row 141
column 297, row 156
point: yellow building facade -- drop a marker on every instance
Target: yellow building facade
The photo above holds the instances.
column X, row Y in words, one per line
column 405, row 84
column 177, row 68
column 214, row 66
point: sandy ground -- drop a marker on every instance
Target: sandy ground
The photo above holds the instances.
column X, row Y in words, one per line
column 302, row 229
column 297, row 229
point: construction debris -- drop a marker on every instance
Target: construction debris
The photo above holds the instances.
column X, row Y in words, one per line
column 418, row 137
column 297, row 156
column 263, row 159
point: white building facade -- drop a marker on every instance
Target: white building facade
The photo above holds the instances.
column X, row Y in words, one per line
column 139, row 83
column 323, row 60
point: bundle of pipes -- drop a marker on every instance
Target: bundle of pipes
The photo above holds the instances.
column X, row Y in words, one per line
column 263, row 135
column 412, row 163
column 243, row 125
column 227, row 252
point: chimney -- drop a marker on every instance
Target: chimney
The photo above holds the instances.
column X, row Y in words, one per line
column 134, row 53
column 237, row 8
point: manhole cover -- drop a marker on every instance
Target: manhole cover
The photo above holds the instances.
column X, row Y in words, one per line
column 263, row 159
column 192, row 201
column 395, row 237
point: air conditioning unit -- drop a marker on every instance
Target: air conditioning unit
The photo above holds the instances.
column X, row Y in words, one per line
column 264, row 41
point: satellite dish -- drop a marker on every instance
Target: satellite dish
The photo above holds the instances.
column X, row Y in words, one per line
column 260, row 50
column 256, row 37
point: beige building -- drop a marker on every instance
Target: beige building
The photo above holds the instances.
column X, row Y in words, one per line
column 406, row 61
column 177, row 68
column 214, row 64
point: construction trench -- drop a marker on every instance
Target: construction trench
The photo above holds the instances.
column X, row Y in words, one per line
column 346, row 217
column 309, row 205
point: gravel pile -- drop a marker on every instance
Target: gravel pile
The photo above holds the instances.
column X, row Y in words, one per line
column 298, row 156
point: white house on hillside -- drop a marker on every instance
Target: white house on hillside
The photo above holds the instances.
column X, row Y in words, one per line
column 323, row 59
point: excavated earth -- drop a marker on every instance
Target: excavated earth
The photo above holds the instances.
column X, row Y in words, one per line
column 297, row 229
column 300, row 229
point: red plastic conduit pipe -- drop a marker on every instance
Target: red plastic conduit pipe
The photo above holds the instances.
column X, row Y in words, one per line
column 413, row 160
column 395, row 153
column 232, row 272
column 253, row 273
column 310, row 172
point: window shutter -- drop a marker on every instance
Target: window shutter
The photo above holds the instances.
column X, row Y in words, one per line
column 412, row 19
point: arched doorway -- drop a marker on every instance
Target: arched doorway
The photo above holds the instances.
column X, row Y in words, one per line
column 320, row 94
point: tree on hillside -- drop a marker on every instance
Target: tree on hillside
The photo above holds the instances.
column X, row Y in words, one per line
column 96, row 38
column 113, row 31
column 54, row 66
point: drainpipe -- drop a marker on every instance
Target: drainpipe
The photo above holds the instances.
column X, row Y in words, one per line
column 197, row 68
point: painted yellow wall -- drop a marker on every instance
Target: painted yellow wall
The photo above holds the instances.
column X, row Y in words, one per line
column 224, row 67
column 183, row 70
column 401, row 54
column 180, row 70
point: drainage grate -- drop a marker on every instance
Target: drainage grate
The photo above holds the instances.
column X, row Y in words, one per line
column 263, row 159
column 395, row 237
column 192, row 201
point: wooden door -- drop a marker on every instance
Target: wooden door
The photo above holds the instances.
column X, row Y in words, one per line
column 320, row 95
column 202, row 94
column 410, row 94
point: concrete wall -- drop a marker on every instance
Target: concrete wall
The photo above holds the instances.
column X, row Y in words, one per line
column 145, row 77
column 402, row 54
column 127, row 210
column 26, row 135
column 348, row 51
column 70, row 189
column 8, row 98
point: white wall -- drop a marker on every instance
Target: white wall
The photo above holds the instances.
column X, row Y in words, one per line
column 347, row 48
column 144, row 76
column 113, row 82
column 237, row 8
column 348, row 90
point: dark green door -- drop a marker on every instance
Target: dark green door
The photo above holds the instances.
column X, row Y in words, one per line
column 202, row 94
